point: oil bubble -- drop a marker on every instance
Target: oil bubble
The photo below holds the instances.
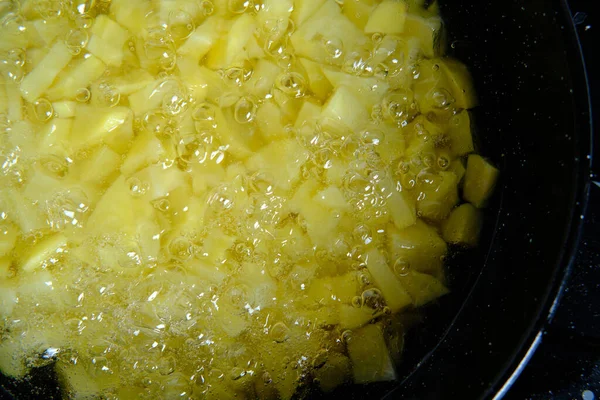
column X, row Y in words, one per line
column 373, row 298
column 357, row 301
column 442, row 98
column 54, row 165
column 76, row 40
column 83, row 95
column 107, row 96
column 280, row 332
column 137, row 187
column 207, row 7
column 401, row 267
column 43, row 110
column 49, row 9
column 180, row 24
column 245, row 110
column 155, row 122
column 443, row 162
column 174, row 103
column 180, row 248
column 292, row 84
column 334, row 48
column 239, row 6
column 161, row 204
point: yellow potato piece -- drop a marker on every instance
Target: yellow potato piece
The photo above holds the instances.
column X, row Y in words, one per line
column 388, row 18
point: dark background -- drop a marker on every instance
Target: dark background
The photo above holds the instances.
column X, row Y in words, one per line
column 567, row 363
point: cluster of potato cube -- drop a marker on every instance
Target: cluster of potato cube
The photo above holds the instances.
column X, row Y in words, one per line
column 226, row 198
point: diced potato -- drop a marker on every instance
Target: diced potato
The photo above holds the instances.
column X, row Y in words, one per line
column 6, row 270
column 457, row 166
column 332, row 198
column 131, row 14
column 393, row 292
column 80, row 76
column 269, row 121
column 325, row 34
column 8, row 300
column 346, row 108
column 317, row 81
column 369, row 90
column 111, row 126
column 358, row 11
column 11, row 362
column 100, row 167
column 76, row 381
column 460, row 83
column 131, row 82
column 263, row 78
column 459, row 132
column 281, row 160
column 216, row 246
column 329, row 290
column 8, row 238
column 429, row 33
column 463, row 226
column 64, row 109
column 388, row 18
column 419, row 245
column 48, row 29
column 55, row 135
column 480, row 180
column 304, row 9
column 35, row 258
column 161, row 181
column 335, row 372
column 353, row 318
column 439, row 197
column 422, row 288
column 42, row 76
column 26, row 215
column 14, row 102
column 107, row 40
column 146, row 149
column 402, row 210
column 307, row 117
column 370, row 358
column 231, row 51
column 202, row 39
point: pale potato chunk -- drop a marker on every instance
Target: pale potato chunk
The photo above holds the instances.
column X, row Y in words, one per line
column 107, row 40
column 80, row 76
column 42, row 76
column 111, row 126
column 371, row 361
column 393, row 292
column 346, row 108
column 49, row 247
column 388, row 18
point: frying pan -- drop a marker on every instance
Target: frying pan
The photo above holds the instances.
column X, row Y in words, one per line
column 534, row 123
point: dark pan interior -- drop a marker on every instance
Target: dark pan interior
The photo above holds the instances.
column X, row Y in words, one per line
column 533, row 123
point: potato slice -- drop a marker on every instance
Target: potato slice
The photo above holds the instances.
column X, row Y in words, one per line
column 80, row 76
column 202, row 39
column 422, row 288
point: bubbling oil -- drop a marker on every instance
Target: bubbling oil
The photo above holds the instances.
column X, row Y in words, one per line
column 188, row 222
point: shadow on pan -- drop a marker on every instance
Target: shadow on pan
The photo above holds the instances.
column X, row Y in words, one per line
column 533, row 122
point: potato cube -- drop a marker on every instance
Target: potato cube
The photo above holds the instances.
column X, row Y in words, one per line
column 323, row 36
column 281, row 160
column 305, row 9
column 43, row 251
column 388, row 18
column 463, row 226
column 393, row 292
column 263, row 78
column 480, row 180
column 335, row 372
column 80, row 76
column 332, row 198
column 202, row 40
column 269, row 121
column 369, row 90
column 439, row 197
column 132, row 14
column 358, row 11
column 371, row 360
column 428, row 32
column 8, row 238
column 107, row 40
column 422, row 288
column 460, row 83
column 111, row 126
column 459, row 132
column 345, row 107
column 42, row 75
column 402, row 209
column 352, row 318
column 418, row 245
column 64, row 109
column 317, row 81
column 100, row 167
column 146, row 149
